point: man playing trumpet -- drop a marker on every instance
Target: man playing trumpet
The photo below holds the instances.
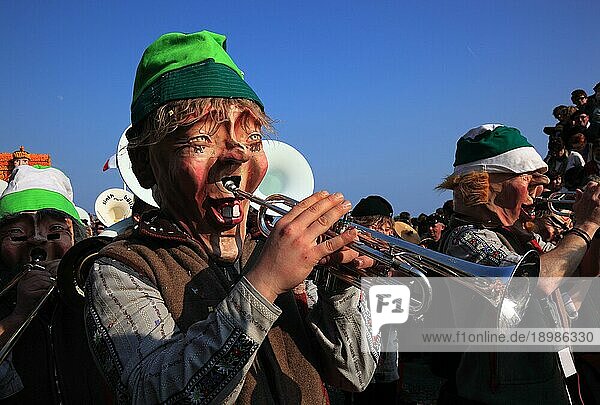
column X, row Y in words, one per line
column 185, row 307
column 497, row 172
column 38, row 224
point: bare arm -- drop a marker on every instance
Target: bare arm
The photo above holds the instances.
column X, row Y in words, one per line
column 564, row 259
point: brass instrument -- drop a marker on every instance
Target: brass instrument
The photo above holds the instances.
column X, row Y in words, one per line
column 70, row 280
column 508, row 289
column 74, row 267
column 560, row 197
column 37, row 256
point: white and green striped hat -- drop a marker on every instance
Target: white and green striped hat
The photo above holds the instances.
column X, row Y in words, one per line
column 495, row 148
column 34, row 188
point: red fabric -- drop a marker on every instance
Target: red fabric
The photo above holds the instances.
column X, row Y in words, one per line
column 111, row 163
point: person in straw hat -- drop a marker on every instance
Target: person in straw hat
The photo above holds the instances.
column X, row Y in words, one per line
column 185, row 307
column 497, row 173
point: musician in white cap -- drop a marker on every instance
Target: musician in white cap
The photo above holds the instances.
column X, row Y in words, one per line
column 497, row 173
column 38, row 224
column 185, row 307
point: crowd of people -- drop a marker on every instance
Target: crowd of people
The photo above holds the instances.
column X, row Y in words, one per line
column 188, row 303
column 574, row 141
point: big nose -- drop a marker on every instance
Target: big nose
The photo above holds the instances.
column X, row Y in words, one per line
column 235, row 151
column 37, row 239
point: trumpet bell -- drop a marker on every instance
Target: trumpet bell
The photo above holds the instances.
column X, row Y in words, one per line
column 113, row 205
column 124, row 166
column 289, row 173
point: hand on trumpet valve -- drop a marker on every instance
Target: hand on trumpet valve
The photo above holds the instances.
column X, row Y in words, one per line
column 586, row 209
column 32, row 287
column 294, row 246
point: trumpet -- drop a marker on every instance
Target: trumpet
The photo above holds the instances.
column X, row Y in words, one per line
column 37, row 257
column 560, row 197
column 508, row 289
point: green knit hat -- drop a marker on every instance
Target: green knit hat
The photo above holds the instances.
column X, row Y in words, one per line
column 35, row 188
column 495, row 148
column 181, row 66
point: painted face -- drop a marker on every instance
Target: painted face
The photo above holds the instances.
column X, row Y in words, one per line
column 189, row 167
column 515, row 192
column 34, row 233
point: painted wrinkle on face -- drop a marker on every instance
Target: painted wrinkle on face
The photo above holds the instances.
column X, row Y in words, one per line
column 189, row 166
column 30, row 233
column 517, row 192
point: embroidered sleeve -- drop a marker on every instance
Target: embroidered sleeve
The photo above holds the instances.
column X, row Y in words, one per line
column 341, row 324
column 143, row 354
column 480, row 246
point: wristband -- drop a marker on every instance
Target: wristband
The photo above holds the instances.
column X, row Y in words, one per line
column 582, row 234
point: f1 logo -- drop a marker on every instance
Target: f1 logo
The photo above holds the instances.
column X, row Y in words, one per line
column 389, row 305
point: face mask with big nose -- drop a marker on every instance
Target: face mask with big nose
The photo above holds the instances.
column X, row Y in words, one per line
column 189, row 168
column 35, row 236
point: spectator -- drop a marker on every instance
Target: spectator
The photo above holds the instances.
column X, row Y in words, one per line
column 563, row 116
column 556, row 182
column 583, row 125
column 421, row 225
column 579, row 98
column 559, row 160
column 404, row 217
column 436, row 224
column 594, row 111
column 375, row 212
column 578, row 143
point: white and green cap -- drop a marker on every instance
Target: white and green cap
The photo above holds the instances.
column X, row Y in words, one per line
column 34, row 188
column 495, row 148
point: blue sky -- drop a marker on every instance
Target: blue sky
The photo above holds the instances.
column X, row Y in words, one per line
column 374, row 94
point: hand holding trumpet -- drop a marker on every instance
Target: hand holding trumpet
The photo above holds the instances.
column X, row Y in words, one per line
column 586, row 209
column 33, row 286
column 294, row 246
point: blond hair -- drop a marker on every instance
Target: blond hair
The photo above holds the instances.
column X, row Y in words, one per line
column 469, row 189
column 174, row 114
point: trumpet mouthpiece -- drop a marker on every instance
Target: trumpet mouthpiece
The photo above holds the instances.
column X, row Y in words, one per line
column 229, row 185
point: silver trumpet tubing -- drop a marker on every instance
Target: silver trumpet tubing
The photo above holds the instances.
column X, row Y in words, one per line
column 14, row 338
column 560, row 197
column 507, row 289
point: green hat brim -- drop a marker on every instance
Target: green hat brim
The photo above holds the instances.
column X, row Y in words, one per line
column 200, row 80
column 35, row 199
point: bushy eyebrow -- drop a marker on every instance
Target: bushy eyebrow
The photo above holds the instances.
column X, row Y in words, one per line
column 249, row 121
